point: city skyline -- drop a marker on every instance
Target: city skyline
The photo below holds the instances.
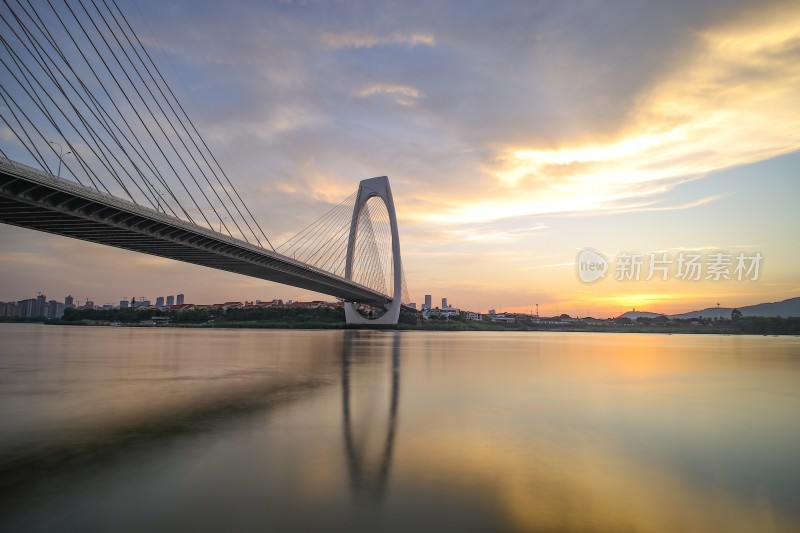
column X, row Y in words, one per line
column 170, row 301
column 501, row 172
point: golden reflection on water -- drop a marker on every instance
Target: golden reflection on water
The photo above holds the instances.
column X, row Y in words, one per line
column 603, row 432
column 410, row 431
column 583, row 486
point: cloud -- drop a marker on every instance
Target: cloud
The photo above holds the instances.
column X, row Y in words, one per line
column 7, row 135
column 504, row 111
column 509, row 112
column 366, row 40
column 730, row 100
column 486, row 117
column 403, row 94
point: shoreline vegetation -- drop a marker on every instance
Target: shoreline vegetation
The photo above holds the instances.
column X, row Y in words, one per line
column 330, row 318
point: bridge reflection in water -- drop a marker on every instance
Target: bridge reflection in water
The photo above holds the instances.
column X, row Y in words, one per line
column 218, row 430
column 368, row 451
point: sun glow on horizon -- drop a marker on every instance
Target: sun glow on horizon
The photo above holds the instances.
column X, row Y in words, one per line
column 511, row 140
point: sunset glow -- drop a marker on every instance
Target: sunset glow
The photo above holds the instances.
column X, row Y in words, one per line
column 511, row 141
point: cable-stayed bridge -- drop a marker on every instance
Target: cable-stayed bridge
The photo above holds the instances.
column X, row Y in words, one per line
column 112, row 157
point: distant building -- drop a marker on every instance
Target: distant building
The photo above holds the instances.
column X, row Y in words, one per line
column 474, row 316
column 427, row 302
column 88, row 305
column 68, row 302
column 26, row 308
column 54, row 309
column 180, row 299
column 160, row 302
column 32, row 307
column 263, row 304
column 124, row 304
column 170, row 300
column 308, row 305
column 413, row 306
column 10, row 309
column 41, row 306
column 444, row 303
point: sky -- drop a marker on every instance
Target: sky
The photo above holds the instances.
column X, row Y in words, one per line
column 514, row 134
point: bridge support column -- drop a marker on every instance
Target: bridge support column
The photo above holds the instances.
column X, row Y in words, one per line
column 367, row 189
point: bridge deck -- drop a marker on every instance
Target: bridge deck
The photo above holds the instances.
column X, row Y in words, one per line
column 33, row 199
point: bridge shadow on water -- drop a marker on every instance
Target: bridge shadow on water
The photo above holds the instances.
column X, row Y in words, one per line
column 59, row 461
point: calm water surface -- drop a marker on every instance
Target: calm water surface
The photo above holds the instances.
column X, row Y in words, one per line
column 136, row 429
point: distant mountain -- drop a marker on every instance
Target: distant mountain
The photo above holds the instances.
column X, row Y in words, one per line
column 790, row 307
column 633, row 315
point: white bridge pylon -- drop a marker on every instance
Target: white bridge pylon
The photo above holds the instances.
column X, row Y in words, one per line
column 369, row 188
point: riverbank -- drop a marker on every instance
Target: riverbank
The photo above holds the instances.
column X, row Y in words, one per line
column 333, row 318
column 773, row 327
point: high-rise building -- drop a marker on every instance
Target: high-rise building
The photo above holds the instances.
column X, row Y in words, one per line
column 170, row 300
column 54, row 309
column 9, row 309
column 124, row 304
column 160, row 302
column 180, row 299
column 41, row 306
column 68, row 302
column 444, row 303
column 427, row 302
column 33, row 307
column 88, row 305
column 26, row 308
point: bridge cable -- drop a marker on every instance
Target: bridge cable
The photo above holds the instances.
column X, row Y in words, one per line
column 39, row 103
column 40, row 61
column 96, row 109
column 125, row 19
column 382, row 232
column 105, row 90
column 94, row 124
column 170, row 123
column 104, row 117
column 40, row 158
column 180, row 121
column 133, row 108
column 369, row 254
column 202, row 214
column 299, row 238
column 322, row 239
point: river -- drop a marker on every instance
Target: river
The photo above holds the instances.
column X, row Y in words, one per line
column 164, row 429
